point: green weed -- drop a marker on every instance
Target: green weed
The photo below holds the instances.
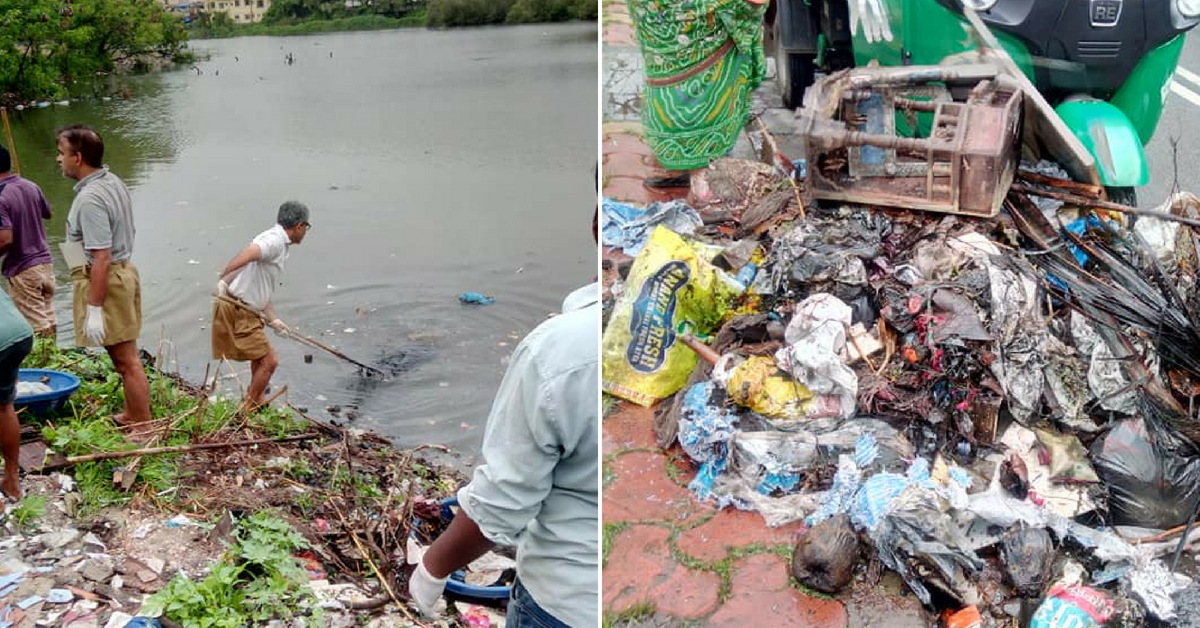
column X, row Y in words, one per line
column 26, row 513
column 258, row 580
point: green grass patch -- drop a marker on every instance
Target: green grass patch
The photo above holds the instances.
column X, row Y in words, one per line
column 257, row 580
column 609, row 534
column 27, row 513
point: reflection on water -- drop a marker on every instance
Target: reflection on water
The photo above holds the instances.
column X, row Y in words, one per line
column 434, row 162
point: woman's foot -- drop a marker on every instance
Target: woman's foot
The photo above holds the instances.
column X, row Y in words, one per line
column 675, row 181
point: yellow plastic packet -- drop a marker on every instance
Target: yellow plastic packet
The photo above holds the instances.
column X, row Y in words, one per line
column 760, row 385
column 672, row 282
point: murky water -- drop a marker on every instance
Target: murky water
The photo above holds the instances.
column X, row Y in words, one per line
column 434, row 162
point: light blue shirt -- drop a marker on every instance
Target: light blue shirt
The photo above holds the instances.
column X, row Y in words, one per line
column 538, row 488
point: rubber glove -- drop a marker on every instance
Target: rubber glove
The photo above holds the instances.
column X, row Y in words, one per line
column 222, row 288
column 425, row 589
column 280, row 327
column 93, row 324
column 882, row 28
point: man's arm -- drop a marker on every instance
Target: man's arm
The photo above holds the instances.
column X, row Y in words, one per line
column 6, row 240
column 460, row 544
column 98, row 286
column 251, row 253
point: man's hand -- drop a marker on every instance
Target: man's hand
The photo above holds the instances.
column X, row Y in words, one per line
column 222, row 288
column 280, row 327
column 425, row 589
column 93, row 325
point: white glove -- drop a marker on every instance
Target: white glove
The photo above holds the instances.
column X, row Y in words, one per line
column 280, row 327
column 874, row 20
column 425, row 590
column 222, row 288
column 93, row 325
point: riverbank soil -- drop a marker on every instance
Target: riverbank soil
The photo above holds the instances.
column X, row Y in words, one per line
column 83, row 550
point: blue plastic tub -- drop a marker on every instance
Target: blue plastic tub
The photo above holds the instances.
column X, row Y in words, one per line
column 456, row 584
column 62, row 385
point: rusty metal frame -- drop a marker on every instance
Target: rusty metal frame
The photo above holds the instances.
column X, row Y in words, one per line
column 966, row 164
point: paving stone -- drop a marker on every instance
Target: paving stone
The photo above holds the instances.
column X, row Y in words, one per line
column 643, row 492
column 617, row 33
column 630, row 427
column 625, row 143
column 145, row 575
column 732, row 528
column 762, row 595
column 631, row 164
column 640, row 570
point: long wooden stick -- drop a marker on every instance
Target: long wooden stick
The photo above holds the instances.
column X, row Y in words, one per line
column 302, row 339
column 108, row 455
column 1083, row 201
column 1063, row 184
column 12, row 148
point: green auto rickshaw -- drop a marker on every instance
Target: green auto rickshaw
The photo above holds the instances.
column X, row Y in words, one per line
column 1105, row 65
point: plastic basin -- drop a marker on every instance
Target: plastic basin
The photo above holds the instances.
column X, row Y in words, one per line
column 61, row 384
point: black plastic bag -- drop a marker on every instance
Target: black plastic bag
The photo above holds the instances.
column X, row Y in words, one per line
column 1151, row 472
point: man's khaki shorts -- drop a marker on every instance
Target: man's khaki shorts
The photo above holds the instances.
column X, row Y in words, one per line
column 32, row 291
column 237, row 334
column 122, row 305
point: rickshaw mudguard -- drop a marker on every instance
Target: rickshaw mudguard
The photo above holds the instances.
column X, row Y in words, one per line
column 1110, row 136
column 1144, row 93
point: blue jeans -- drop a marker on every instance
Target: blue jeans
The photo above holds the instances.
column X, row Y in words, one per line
column 523, row 612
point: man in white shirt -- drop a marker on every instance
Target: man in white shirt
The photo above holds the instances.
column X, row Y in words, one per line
column 251, row 277
column 538, row 488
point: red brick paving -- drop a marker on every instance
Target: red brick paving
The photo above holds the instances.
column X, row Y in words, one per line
column 640, row 570
column 624, row 143
column 762, row 596
column 629, row 429
column 642, row 491
column 731, row 528
column 630, row 164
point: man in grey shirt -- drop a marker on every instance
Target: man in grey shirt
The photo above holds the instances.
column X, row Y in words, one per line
column 538, row 488
column 107, row 301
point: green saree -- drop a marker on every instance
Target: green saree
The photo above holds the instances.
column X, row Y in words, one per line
column 702, row 59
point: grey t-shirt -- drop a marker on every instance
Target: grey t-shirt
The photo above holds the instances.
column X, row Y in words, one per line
column 101, row 215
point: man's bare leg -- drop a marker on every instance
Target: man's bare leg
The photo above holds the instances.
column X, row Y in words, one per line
column 10, row 443
column 137, row 388
column 261, row 371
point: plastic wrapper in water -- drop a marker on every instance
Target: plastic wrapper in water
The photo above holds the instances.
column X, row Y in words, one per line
column 629, row 227
column 1152, row 474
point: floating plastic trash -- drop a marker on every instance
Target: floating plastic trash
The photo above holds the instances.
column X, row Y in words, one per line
column 475, row 297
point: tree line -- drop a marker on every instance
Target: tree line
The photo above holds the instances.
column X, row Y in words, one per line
column 437, row 13
column 48, row 46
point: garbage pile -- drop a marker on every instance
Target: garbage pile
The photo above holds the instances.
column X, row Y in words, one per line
column 1000, row 408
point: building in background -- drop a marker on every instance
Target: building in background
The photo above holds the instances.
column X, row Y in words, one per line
column 239, row 11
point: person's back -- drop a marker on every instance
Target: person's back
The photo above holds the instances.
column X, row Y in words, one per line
column 557, row 551
column 23, row 207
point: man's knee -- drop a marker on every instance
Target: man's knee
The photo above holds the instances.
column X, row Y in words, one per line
column 269, row 362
